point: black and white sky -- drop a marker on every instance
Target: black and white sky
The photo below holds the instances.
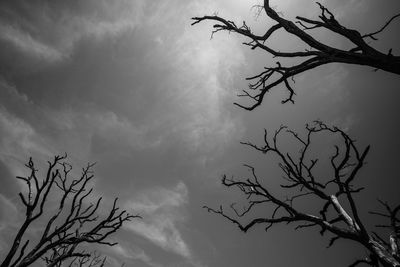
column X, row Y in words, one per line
column 129, row 84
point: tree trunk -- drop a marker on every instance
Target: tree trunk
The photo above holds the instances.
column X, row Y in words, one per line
column 385, row 257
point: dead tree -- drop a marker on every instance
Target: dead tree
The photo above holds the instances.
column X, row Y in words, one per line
column 75, row 221
column 315, row 54
column 333, row 194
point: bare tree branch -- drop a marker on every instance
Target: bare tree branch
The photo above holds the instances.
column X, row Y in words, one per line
column 361, row 53
column 332, row 196
column 76, row 221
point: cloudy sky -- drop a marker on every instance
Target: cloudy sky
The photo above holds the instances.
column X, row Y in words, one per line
column 129, row 84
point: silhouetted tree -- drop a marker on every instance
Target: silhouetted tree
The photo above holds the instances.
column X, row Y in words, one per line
column 316, row 53
column 74, row 222
column 338, row 213
column 331, row 192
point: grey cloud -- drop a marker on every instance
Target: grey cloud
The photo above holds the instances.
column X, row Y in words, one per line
column 8, row 212
column 131, row 85
column 161, row 209
column 8, row 220
column 49, row 30
column 130, row 252
column 9, row 186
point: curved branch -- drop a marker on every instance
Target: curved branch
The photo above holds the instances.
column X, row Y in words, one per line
column 360, row 54
column 332, row 197
column 371, row 35
column 74, row 222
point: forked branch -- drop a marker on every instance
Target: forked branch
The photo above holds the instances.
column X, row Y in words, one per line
column 74, row 222
column 315, row 54
column 332, row 192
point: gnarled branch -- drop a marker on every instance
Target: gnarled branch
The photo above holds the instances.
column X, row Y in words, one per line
column 361, row 53
column 332, row 193
column 75, row 221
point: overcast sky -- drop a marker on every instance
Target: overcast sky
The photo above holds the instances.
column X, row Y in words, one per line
column 132, row 86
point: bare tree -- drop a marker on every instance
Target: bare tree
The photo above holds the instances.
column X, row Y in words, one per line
column 315, row 54
column 333, row 194
column 73, row 223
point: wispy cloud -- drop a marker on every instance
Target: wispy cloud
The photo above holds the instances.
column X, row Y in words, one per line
column 206, row 73
column 161, row 209
column 95, row 21
column 133, row 253
column 25, row 129
column 18, row 140
column 29, row 45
